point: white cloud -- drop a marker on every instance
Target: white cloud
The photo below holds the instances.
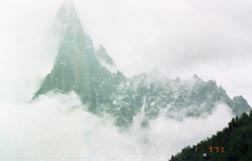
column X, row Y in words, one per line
column 55, row 128
column 179, row 38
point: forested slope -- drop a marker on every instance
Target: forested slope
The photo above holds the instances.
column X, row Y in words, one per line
column 234, row 143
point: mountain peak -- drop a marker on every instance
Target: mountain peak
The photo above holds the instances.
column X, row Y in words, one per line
column 76, row 67
column 67, row 19
column 68, row 7
column 197, row 78
column 92, row 74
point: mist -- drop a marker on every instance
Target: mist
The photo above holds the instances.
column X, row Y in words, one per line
column 177, row 38
column 57, row 127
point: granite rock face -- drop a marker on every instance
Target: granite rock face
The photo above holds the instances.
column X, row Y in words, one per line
column 77, row 66
column 92, row 74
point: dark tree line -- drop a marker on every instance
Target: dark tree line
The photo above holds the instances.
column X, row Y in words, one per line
column 234, row 143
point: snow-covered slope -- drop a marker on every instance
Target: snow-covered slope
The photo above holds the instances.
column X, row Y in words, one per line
column 174, row 98
column 93, row 75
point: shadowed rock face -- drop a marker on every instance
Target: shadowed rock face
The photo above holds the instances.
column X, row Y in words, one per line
column 76, row 67
column 93, row 76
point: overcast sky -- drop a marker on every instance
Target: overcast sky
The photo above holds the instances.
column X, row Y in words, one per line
column 177, row 37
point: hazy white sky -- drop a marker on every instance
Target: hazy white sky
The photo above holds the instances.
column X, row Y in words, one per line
column 177, row 37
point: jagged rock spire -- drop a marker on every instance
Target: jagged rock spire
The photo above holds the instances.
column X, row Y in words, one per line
column 90, row 73
column 77, row 67
column 67, row 19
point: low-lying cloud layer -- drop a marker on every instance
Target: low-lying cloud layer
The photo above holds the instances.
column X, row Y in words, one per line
column 179, row 38
column 58, row 128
